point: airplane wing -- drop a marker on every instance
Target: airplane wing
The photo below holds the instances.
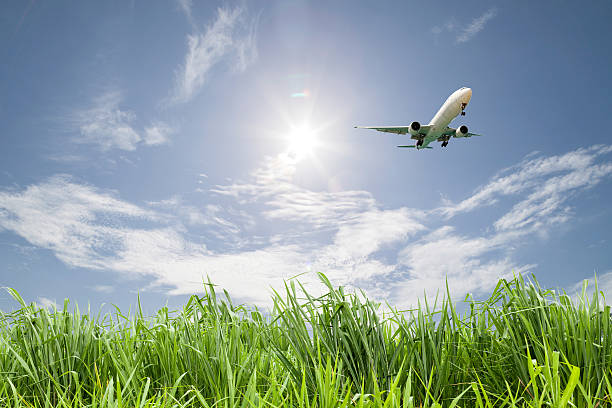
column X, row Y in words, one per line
column 400, row 130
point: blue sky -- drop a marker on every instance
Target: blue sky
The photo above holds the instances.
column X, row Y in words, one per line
column 146, row 145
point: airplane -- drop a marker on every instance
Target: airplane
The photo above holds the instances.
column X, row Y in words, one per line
column 438, row 129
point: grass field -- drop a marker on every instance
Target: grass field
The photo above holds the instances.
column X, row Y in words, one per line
column 523, row 347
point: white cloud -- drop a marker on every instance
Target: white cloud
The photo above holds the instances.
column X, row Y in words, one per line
column 81, row 225
column 186, row 6
column 545, row 203
column 89, row 228
column 535, row 172
column 66, row 158
column 215, row 218
column 543, row 185
column 369, row 231
column 450, row 26
column 272, row 185
column 469, row 264
column 476, row 26
column 157, row 134
column 604, row 285
column 269, row 228
column 105, row 124
column 108, row 126
column 47, row 303
column 103, row 288
column 463, row 32
column 584, row 290
column 231, row 37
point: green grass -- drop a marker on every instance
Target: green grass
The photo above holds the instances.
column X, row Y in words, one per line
column 522, row 347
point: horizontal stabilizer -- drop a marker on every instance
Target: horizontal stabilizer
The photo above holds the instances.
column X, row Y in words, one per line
column 407, row 146
column 468, row 135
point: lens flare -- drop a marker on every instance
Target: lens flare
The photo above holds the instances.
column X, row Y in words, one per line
column 304, row 94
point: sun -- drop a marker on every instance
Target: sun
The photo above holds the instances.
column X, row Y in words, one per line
column 302, row 141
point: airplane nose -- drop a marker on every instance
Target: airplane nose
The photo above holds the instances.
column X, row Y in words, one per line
column 468, row 93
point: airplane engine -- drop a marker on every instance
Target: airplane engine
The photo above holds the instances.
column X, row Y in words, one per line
column 414, row 128
column 462, row 131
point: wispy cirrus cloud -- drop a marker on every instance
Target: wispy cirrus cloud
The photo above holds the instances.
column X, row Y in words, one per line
column 272, row 185
column 80, row 225
column 215, row 219
column 548, row 181
column 108, row 126
column 450, row 26
column 469, row 264
column 231, row 38
column 103, row 288
column 465, row 33
column 601, row 281
column 186, row 6
column 157, row 133
column 476, row 26
column 284, row 229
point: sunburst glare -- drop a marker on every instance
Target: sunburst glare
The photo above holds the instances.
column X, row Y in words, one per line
column 302, row 141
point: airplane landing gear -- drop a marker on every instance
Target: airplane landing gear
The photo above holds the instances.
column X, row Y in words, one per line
column 462, row 113
column 463, row 105
column 444, row 144
column 419, row 143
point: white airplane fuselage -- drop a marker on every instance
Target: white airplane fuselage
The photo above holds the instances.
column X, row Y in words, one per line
column 452, row 107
